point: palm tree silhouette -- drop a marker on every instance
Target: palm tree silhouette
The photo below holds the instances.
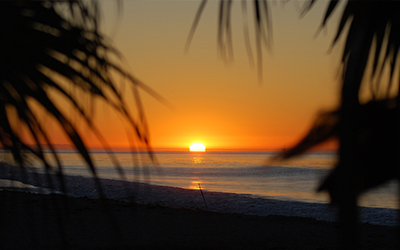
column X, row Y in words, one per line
column 368, row 134
column 57, row 46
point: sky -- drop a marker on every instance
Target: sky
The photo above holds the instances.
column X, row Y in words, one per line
column 219, row 104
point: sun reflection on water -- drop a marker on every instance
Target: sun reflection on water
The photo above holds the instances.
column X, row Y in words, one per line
column 198, row 159
column 197, row 184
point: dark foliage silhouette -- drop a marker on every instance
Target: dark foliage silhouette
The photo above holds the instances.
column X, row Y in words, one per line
column 54, row 50
column 368, row 133
column 57, row 46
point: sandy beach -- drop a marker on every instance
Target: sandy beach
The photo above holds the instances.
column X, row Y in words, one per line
column 32, row 221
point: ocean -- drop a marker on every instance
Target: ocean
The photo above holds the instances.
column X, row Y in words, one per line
column 245, row 178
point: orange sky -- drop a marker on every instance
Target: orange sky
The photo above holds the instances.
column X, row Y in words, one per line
column 223, row 106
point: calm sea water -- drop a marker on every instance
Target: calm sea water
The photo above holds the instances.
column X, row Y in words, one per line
column 232, row 172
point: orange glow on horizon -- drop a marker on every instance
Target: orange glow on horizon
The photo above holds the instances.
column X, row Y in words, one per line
column 226, row 107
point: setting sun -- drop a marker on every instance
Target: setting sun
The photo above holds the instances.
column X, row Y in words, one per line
column 197, row 147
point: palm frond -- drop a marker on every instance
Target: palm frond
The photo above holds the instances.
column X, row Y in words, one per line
column 381, row 23
column 44, row 45
column 325, row 127
column 262, row 26
column 376, row 153
column 377, row 145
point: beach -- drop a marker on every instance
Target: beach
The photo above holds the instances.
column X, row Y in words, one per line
column 37, row 221
column 137, row 215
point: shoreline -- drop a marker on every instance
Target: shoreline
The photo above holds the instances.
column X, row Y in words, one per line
column 33, row 221
column 149, row 194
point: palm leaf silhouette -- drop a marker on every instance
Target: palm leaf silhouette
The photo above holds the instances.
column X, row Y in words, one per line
column 57, row 46
column 380, row 24
column 368, row 133
column 262, row 25
column 377, row 143
column 374, row 34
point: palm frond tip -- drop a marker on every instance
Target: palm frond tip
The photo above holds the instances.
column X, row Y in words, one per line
column 262, row 27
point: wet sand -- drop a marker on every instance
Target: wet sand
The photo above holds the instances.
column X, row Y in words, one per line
column 32, row 221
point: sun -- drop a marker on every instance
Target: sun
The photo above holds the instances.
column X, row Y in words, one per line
column 197, row 147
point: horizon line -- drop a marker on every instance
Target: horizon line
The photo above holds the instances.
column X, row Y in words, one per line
column 182, row 149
